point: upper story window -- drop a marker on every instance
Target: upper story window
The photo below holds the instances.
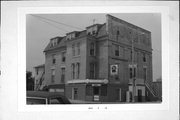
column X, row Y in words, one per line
column 92, row 30
column 116, row 50
column 132, row 72
column 117, row 35
column 52, row 75
column 145, row 73
column 54, row 42
column 73, row 71
column 73, row 49
column 144, row 57
column 72, row 35
column 63, row 56
column 62, row 75
column 78, row 48
column 53, row 59
column 78, row 70
column 92, row 49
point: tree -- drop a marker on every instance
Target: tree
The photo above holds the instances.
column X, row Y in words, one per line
column 29, row 81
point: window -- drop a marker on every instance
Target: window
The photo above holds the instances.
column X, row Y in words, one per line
column 116, row 47
column 52, row 75
column 75, row 93
column 117, row 35
column 92, row 49
column 54, row 42
column 144, row 57
column 93, row 32
column 63, row 56
column 62, row 75
column 73, row 70
column 131, row 74
column 92, row 70
column 145, row 73
column 78, row 70
column 73, row 50
column 53, row 59
column 78, row 48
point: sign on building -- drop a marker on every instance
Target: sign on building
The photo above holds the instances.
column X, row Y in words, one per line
column 114, row 69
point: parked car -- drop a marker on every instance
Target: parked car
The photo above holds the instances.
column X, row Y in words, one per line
column 42, row 97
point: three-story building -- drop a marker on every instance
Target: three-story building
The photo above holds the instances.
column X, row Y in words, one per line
column 96, row 64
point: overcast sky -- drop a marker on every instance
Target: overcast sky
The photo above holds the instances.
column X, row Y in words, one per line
column 39, row 32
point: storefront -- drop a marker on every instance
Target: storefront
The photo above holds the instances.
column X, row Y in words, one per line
column 87, row 90
column 96, row 91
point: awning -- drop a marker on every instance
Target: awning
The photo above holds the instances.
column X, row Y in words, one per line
column 94, row 81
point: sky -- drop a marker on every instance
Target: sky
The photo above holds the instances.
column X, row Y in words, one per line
column 39, row 32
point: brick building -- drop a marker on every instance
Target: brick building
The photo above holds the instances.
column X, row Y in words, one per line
column 95, row 64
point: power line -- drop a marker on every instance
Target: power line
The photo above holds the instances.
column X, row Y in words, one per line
column 58, row 22
column 50, row 24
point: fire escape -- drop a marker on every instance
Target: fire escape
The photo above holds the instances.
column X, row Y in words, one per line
column 40, row 81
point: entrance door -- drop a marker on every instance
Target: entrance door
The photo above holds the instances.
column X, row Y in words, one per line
column 96, row 91
column 139, row 95
column 74, row 93
column 118, row 94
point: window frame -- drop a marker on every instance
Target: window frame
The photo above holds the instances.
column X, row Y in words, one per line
column 92, row 49
column 73, row 50
column 53, row 72
column 116, row 49
column 78, row 48
column 63, row 72
column 63, row 57
column 54, row 59
column 78, row 70
column 73, row 71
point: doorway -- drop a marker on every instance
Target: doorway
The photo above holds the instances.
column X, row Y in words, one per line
column 139, row 95
column 96, row 92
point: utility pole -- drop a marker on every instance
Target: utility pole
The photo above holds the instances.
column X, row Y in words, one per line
column 133, row 72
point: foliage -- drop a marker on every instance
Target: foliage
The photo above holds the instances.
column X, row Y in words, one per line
column 29, row 81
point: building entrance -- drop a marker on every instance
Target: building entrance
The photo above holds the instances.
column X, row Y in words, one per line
column 139, row 95
column 96, row 93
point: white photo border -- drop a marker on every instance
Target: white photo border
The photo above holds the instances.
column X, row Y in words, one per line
column 22, row 12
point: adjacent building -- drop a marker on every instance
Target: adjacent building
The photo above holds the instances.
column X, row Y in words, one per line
column 99, row 63
column 39, row 77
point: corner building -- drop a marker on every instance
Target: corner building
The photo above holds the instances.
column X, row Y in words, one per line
column 95, row 64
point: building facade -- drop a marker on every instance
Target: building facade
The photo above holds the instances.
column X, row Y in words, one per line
column 96, row 64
